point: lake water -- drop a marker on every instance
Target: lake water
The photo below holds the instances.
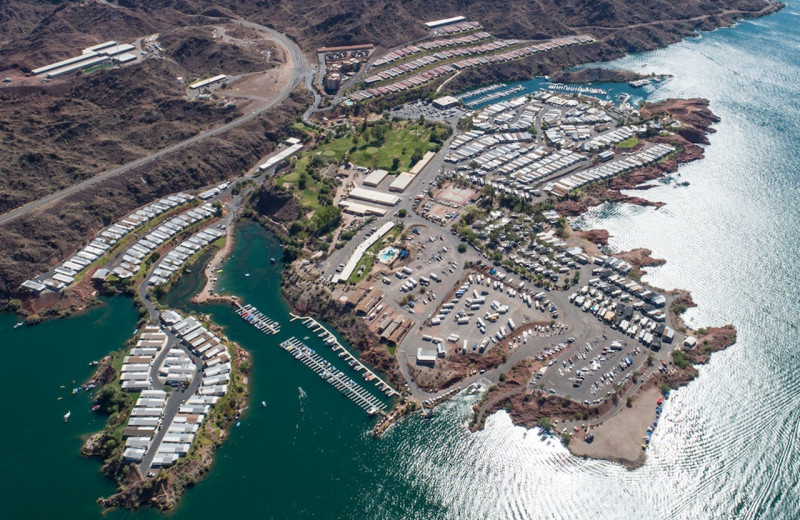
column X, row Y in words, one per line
column 726, row 447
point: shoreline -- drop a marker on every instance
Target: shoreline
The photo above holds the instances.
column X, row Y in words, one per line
column 220, row 256
column 164, row 490
column 616, row 424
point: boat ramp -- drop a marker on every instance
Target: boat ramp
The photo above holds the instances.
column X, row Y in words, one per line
column 333, row 376
column 257, row 319
column 353, row 361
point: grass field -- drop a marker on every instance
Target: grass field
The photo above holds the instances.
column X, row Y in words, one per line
column 309, row 197
column 98, row 67
column 628, row 143
column 401, row 140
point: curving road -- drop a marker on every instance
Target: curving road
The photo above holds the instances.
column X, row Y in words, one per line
column 300, row 69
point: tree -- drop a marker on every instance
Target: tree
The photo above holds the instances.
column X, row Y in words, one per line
column 416, row 156
column 395, row 164
column 296, row 227
column 317, row 161
column 462, row 248
column 464, row 124
column 402, row 213
column 301, row 181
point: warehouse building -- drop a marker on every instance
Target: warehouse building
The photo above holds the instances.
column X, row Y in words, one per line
column 117, row 49
column 64, row 63
column 445, row 102
column 281, row 157
column 99, row 47
column 375, row 197
column 444, row 21
column 361, row 210
column 208, row 82
column 69, row 69
column 375, row 178
column 401, row 182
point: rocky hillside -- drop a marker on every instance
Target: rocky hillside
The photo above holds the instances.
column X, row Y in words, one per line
column 634, row 25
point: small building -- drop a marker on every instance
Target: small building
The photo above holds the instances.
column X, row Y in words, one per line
column 606, row 156
column 446, row 102
column 170, row 317
column 209, row 193
column 426, row 357
column 33, row 286
column 125, row 57
column 690, row 342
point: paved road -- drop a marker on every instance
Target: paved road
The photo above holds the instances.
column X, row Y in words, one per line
column 300, row 70
column 178, row 396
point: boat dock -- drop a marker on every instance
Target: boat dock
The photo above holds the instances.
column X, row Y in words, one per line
column 333, row 376
column 576, row 89
column 495, row 95
column 353, row 361
column 257, row 319
column 478, row 92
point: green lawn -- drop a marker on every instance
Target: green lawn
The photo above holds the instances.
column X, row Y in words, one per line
column 308, row 197
column 628, row 143
column 401, row 140
column 98, row 67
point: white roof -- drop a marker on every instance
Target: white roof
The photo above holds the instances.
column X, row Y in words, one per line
column 402, row 181
column 375, row 178
column 374, row 196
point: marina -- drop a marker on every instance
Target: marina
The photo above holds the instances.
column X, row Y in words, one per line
column 576, row 89
column 257, row 319
column 495, row 95
column 353, row 361
column 482, row 90
column 333, row 376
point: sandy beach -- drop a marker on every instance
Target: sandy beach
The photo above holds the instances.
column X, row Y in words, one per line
column 621, row 437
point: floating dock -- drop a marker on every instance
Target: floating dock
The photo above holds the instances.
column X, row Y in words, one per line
column 257, row 319
column 480, row 91
column 353, row 361
column 333, row 376
column 495, row 95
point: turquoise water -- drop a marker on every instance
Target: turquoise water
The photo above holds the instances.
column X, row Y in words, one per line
column 387, row 255
column 726, row 447
column 42, row 472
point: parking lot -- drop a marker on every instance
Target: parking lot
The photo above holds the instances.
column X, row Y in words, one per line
column 482, row 312
column 419, row 108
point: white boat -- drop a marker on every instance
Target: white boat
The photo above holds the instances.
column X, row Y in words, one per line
column 263, row 404
column 18, row 325
column 66, row 416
